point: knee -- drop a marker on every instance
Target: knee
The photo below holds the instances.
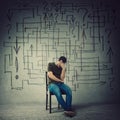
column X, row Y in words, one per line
column 58, row 94
column 55, row 90
column 69, row 91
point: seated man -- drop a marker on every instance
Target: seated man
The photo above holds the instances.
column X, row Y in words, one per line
column 56, row 74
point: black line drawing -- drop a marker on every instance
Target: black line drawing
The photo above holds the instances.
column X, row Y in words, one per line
column 16, row 64
column 16, row 48
column 110, row 54
column 9, row 14
column 46, row 31
column 9, row 27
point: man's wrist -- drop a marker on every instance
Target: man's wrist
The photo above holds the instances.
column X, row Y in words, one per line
column 59, row 80
column 64, row 69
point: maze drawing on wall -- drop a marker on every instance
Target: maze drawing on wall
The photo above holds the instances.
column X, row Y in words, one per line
column 41, row 32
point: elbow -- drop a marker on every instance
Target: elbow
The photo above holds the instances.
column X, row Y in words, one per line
column 49, row 74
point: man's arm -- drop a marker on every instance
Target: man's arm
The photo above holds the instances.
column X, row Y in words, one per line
column 62, row 76
column 53, row 77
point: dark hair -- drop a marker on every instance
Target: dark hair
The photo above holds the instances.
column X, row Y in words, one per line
column 64, row 59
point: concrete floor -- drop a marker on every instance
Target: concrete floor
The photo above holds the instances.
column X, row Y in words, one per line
column 38, row 112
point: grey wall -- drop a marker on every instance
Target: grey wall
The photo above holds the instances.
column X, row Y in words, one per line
column 34, row 33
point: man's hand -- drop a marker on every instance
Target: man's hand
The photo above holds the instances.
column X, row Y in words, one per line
column 62, row 76
column 63, row 66
column 61, row 81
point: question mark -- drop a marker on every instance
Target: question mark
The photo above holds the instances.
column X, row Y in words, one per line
column 9, row 27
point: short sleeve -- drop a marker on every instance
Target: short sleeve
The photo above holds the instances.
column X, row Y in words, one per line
column 50, row 67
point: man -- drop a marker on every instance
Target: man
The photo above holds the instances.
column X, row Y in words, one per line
column 56, row 74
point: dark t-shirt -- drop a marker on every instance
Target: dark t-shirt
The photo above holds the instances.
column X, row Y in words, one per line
column 56, row 71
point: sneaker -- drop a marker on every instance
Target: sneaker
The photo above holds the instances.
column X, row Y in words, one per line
column 69, row 113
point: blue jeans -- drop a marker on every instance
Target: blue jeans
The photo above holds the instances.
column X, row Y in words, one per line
column 56, row 89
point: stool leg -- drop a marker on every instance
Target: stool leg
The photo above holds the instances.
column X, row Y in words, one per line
column 50, row 104
column 46, row 101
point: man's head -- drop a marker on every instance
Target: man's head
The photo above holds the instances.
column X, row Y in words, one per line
column 63, row 59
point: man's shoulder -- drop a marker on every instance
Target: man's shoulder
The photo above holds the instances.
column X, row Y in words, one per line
column 51, row 66
column 51, row 63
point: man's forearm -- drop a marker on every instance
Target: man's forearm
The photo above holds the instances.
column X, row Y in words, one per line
column 63, row 74
column 51, row 76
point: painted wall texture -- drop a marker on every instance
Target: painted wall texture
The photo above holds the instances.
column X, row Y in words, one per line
column 34, row 33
